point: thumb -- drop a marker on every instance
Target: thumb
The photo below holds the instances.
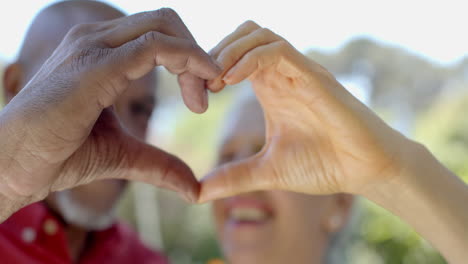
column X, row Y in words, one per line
column 149, row 164
column 235, row 178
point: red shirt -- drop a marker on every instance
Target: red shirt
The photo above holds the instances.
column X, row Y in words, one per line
column 34, row 235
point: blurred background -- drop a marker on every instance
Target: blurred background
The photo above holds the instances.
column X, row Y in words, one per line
column 407, row 60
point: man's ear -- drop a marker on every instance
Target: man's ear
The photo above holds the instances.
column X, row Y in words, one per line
column 12, row 81
column 339, row 213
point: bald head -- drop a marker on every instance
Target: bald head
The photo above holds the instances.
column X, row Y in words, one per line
column 51, row 25
column 90, row 206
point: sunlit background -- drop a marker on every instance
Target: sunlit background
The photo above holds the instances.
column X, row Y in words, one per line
column 408, row 60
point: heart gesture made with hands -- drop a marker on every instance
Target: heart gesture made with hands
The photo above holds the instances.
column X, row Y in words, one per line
column 61, row 131
column 319, row 138
column 64, row 131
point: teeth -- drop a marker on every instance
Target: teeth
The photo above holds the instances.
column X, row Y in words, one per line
column 247, row 214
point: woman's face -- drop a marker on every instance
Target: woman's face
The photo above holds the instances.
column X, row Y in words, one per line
column 270, row 226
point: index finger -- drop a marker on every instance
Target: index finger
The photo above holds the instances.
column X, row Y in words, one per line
column 165, row 20
column 243, row 30
column 179, row 56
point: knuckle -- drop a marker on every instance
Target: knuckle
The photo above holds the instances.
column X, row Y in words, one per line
column 82, row 36
column 166, row 12
column 157, row 17
column 143, row 44
column 168, row 169
column 80, row 58
column 102, row 26
column 83, row 42
column 226, row 57
column 266, row 32
column 249, row 25
column 251, row 56
column 193, row 51
column 86, row 58
column 80, row 30
column 151, row 36
column 149, row 15
column 282, row 46
column 192, row 45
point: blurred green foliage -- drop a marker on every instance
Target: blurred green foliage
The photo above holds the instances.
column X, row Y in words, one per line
column 444, row 130
column 380, row 237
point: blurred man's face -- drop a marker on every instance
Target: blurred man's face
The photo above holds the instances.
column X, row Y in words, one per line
column 92, row 206
column 267, row 226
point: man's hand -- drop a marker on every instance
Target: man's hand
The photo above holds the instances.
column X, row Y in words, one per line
column 60, row 130
column 319, row 139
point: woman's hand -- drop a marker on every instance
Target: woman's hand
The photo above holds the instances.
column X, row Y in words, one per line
column 319, row 139
column 60, row 131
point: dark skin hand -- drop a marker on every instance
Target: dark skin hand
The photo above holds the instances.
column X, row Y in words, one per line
column 61, row 128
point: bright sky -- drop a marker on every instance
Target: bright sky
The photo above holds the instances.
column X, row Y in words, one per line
column 434, row 29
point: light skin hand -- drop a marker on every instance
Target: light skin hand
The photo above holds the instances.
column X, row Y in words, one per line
column 321, row 140
column 317, row 134
column 60, row 131
column 431, row 199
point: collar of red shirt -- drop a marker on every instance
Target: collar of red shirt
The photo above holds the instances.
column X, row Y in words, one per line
column 35, row 235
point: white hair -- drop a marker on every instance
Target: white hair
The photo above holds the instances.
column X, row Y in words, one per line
column 243, row 97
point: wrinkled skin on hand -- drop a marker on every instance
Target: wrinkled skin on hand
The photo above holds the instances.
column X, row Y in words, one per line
column 60, row 131
column 319, row 138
